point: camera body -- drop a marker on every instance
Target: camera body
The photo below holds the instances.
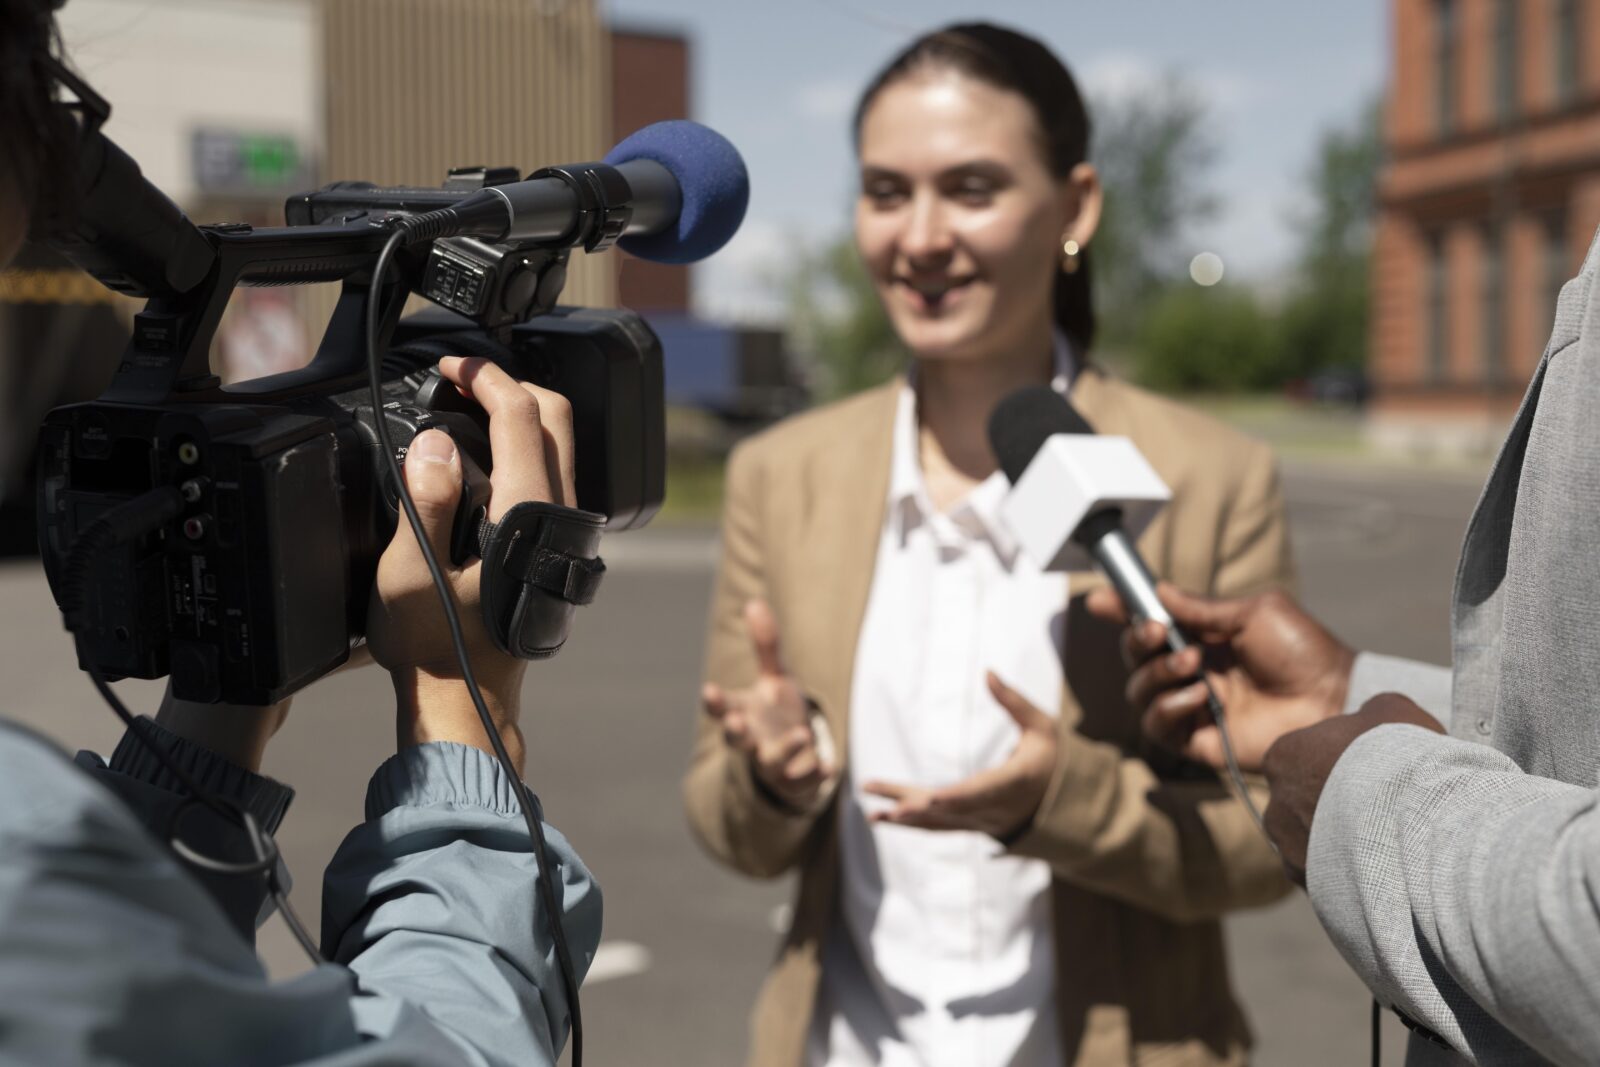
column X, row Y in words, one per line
column 261, row 585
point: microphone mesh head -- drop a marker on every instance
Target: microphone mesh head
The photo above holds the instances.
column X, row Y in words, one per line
column 1023, row 421
column 715, row 185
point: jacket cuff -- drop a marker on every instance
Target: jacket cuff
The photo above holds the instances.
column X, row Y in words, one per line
column 444, row 774
column 1373, row 673
column 265, row 798
column 1080, row 793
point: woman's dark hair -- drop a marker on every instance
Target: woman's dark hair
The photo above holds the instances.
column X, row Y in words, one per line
column 36, row 144
column 1010, row 60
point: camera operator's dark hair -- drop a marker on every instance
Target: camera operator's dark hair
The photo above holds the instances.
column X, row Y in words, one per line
column 36, row 145
column 1010, row 60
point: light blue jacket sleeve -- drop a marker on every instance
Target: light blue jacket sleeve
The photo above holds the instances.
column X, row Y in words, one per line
column 433, row 903
column 112, row 951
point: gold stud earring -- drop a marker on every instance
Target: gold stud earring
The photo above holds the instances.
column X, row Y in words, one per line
column 1069, row 256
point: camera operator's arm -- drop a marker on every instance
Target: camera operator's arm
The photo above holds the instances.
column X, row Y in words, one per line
column 432, row 901
column 220, row 746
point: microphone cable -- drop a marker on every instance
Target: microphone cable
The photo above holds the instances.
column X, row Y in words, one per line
column 1235, row 774
column 547, row 896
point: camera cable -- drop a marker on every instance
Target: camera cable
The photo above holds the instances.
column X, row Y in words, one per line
column 546, row 890
column 120, row 525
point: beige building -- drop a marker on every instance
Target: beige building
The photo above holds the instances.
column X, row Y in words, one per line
column 231, row 105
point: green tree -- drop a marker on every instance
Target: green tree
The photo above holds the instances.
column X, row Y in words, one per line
column 1193, row 338
column 1153, row 149
column 1323, row 323
column 836, row 319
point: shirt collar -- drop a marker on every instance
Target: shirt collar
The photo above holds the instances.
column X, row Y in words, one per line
column 978, row 513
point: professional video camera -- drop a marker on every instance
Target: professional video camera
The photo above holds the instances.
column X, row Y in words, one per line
column 247, row 576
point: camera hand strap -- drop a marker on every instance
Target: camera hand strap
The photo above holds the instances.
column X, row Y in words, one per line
column 540, row 562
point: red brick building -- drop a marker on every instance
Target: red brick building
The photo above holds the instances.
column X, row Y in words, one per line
column 1487, row 202
column 649, row 83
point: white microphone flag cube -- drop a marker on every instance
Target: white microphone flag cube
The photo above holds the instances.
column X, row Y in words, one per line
column 1070, row 478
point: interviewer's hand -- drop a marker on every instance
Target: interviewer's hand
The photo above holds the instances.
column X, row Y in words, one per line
column 1274, row 667
column 530, row 436
column 770, row 722
column 1000, row 801
column 1299, row 764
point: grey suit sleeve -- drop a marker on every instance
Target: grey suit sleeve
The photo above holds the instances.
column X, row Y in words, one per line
column 1464, row 893
column 1424, row 683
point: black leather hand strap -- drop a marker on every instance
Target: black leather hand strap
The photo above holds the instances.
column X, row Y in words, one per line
column 540, row 561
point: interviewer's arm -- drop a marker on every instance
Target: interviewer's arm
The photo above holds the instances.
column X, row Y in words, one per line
column 1464, row 891
column 1425, row 683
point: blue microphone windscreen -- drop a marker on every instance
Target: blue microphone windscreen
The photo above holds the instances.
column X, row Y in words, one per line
column 715, row 184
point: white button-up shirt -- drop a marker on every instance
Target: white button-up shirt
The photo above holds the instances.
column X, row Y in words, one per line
column 943, row 952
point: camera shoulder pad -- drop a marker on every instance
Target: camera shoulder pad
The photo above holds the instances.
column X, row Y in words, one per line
column 540, row 562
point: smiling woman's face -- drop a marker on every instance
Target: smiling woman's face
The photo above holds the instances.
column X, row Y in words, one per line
column 959, row 219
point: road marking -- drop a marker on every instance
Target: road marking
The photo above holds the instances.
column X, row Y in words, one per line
column 617, row 959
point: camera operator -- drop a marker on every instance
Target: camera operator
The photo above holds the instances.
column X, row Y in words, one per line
column 113, row 951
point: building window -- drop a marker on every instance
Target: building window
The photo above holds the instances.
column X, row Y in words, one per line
column 1569, row 43
column 1505, row 66
column 1444, row 64
column 1438, row 316
column 1493, row 302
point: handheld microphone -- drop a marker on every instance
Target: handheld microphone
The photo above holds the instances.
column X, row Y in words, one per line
column 673, row 192
column 1077, row 497
column 1075, row 494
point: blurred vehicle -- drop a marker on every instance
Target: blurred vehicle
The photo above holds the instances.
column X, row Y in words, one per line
column 741, row 374
column 1336, row 387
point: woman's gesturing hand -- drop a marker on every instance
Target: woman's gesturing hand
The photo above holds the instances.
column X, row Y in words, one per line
column 1000, row 801
column 771, row 721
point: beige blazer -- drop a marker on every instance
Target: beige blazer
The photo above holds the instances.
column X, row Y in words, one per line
column 1147, row 853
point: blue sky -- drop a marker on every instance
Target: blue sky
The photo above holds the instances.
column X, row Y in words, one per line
column 780, row 79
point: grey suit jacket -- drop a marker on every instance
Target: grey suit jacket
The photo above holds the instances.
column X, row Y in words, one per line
column 1460, row 876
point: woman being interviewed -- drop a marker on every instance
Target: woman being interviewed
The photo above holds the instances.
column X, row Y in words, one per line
column 992, row 871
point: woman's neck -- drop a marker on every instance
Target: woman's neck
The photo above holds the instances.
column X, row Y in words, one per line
column 954, row 399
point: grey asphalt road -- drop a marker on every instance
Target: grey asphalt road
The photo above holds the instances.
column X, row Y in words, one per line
column 609, row 726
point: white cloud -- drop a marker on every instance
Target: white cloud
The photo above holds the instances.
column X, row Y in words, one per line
column 826, row 101
column 744, row 281
column 1118, row 76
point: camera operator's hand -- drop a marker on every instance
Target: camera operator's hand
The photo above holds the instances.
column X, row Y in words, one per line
column 1275, row 669
column 530, row 435
column 770, row 722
